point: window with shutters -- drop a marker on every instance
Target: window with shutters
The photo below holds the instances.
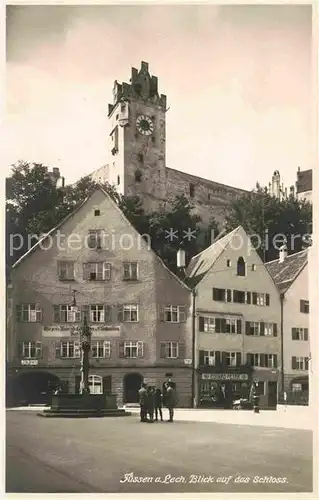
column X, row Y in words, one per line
column 254, row 328
column 269, row 329
column 304, row 306
column 299, row 363
column 262, row 360
column 230, row 326
column 101, row 349
column 261, row 299
column 95, row 384
column 130, row 313
column 130, row 271
column 207, row 324
column 222, row 295
column 174, row 314
column 299, row 333
column 31, row 350
column 133, row 349
column 241, row 267
column 29, row 313
column 296, row 387
column 239, row 297
column 97, row 313
column 210, row 358
column 169, row 350
column 66, row 270
column 94, row 239
column 97, row 271
column 64, row 313
column 70, row 350
column 230, row 358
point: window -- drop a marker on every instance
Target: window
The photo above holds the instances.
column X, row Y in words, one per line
column 130, row 313
column 64, row 313
column 191, row 190
column 298, row 363
column 253, row 267
column 94, row 239
column 230, row 358
column 118, row 180
column 138, row 175
column 115, row 140
column 133, row 349
column 96, row 271
column 228, row 263
column 70, row 349
column 30, row 350
column 296, row 387
column 241, row 267
column 29, row 313
column 174, row 314
column 222, row 295
column 206, row 324
column 304, row 306
column 262, row 360
column 239, row 297
column 299, row 333
column 95, row 384
column 261, row 299
column 101, row 349
column 209, row 358
column 97, row 313
column 260, row 328
column 66, row 270
column 169, row 350
column 230, row 326
column 254, row 328
column 97, row 213
column 130, row 271
column 269, row 329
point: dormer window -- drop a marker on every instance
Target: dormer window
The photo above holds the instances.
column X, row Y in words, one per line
column 97, row 212
column 241, row 267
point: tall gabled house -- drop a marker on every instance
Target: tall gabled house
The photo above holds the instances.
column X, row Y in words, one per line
column 237, row 332
column 290, row 273
column 138, row 311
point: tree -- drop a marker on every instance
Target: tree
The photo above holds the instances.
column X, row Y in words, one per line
column 271, row 222
column 34, row 205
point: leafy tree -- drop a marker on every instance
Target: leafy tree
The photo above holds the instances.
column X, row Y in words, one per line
column 272, row 222
column 35, row 206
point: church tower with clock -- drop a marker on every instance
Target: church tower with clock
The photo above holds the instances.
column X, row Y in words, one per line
column 137, row 139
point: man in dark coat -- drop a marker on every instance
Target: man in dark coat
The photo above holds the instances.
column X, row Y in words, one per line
column 142, row 400
column 158, row 404
column 150, row 403
column 170, row 401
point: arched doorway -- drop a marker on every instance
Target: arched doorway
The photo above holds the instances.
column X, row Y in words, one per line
column 35, row 387
column 131, row 385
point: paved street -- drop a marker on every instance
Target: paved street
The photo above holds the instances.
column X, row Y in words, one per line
column 94, row 455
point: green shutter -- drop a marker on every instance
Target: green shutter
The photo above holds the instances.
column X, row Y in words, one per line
column 86, row 312
column 294, row 334
column 306, row 333
column 201, row 358
column 247, row 327
column 254, row 298
column 238, row 358
column 121, row 349
column 181, row 350
column 239, row 326
column 163, row 350
column 262, row 328
column 18, row 312
column 267, row 299
column 56, row 314
column 293, row 363
column 275, row 330
column 58, row 349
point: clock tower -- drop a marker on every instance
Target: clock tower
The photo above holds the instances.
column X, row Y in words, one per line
column 137, row 139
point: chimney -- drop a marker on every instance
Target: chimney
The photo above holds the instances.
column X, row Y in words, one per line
column 283, row 253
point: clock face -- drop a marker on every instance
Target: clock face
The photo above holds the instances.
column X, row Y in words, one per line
column 145, row 125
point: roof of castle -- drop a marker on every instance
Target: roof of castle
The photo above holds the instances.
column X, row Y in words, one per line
column 284, row 273
column 209, row 183
column 304, row 181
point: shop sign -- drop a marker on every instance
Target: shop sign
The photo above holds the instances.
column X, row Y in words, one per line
column 187, row 361
column 74, row 331
column 29, row 362
column 224, row 376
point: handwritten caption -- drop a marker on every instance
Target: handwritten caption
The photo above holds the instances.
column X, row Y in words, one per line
column 193, row 479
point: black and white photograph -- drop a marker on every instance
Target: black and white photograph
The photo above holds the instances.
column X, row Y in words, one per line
column 160, row 259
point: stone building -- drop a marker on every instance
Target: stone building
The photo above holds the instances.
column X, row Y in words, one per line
column 139, row 312
column 137, row 153
column 290, row 273
column 238, row 330
column 304, row 185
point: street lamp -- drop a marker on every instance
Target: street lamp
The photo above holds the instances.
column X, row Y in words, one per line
column 85, row 344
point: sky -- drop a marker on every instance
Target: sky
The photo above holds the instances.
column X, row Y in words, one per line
column 237, row 80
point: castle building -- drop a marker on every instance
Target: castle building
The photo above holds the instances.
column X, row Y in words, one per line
column 137, row 153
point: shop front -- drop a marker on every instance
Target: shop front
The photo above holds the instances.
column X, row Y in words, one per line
column 219, row 390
